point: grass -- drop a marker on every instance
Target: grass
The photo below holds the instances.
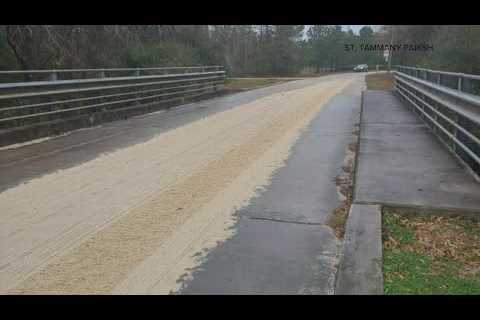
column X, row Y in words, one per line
column 379, row 81
column 430, row 254
column 250, row 83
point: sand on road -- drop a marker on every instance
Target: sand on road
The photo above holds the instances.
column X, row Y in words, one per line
column 138, row 219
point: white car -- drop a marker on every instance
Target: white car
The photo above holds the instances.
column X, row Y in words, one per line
column 361, row 68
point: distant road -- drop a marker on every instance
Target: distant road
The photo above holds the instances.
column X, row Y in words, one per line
column 301, row 78
column 267, row 78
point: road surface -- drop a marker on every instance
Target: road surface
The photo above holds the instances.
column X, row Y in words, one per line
column 228, row 195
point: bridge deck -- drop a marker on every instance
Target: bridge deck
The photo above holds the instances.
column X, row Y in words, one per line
column 402, row 163
column 131, row 206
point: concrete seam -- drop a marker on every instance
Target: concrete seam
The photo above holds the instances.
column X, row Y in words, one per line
column 463, row 211
column 357, row 153
column 288, row 221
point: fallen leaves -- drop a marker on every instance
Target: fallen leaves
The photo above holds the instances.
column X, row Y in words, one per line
column 444, row 239
column 344, row 184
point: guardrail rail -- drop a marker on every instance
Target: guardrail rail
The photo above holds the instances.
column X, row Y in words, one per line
column 449, row 104
column 39, row 108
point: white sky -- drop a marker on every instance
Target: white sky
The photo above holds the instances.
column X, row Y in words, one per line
column 355, row 28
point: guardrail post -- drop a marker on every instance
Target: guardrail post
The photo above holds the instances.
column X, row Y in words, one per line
column 454, row 145
column 101, row 74
column 53, row 76
column 422, row 114
column 136, row 73
column 439, row 79
column 435, row 116
column 466, row 85
column 459, row 83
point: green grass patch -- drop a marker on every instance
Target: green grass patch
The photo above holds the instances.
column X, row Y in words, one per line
column 397, row 230
column 412, row 273
column 379, row 81
column 430, row 254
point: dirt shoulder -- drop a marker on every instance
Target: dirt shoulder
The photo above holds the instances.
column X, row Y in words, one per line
column 379, row 81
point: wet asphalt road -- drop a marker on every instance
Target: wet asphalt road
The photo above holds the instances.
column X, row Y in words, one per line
column 282, row 244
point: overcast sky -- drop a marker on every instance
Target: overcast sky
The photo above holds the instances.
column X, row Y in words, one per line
column 355, row 28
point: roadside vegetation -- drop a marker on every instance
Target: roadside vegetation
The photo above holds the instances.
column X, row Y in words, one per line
column 430, row 254
column 455, row 48
column 253, row 50
column 379, row 81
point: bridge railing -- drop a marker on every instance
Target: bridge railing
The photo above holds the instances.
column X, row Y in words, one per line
column 65, row 74
column 453, row 114
column 468, row 83
column 34, row 109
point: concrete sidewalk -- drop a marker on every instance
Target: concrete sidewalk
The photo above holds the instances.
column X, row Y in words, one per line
column 402, row 163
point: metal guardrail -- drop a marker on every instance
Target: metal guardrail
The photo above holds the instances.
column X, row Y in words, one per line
column 63, row 74
column 452, row 114
column 26, row 105
column 469, row 83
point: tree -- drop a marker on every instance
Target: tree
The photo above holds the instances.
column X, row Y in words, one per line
column 339, row 49
column 455, row 48
column 242, row 49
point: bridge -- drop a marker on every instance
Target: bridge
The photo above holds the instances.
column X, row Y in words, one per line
column 150, row 181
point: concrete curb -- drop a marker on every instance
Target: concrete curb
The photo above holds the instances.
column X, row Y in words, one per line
column 357, row 151
column 360, row 270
